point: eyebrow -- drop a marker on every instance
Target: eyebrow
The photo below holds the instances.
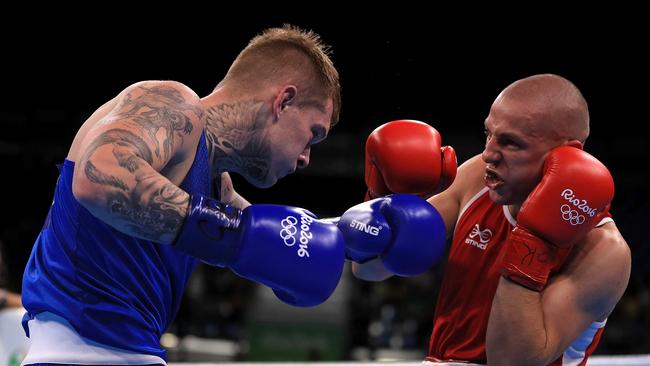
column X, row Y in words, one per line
column 313, row 103
column 506, row 135
column 510, row 136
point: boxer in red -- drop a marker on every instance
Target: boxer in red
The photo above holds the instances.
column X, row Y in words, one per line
column 536, row 262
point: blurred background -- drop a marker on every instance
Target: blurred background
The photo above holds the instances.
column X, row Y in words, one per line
column 406, row 67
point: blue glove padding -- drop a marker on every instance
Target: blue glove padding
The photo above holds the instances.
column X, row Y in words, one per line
column 405, row 231
column 284, row 248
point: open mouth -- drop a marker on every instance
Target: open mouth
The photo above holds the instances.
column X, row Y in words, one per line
column 492, row 180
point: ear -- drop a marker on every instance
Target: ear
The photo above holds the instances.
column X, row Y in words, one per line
column 574, row 143
column 283, row 99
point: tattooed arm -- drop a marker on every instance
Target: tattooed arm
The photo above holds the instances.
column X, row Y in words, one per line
column 117, row 176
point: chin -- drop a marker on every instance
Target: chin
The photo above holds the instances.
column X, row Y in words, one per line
column 265, row 182
column 498, row 198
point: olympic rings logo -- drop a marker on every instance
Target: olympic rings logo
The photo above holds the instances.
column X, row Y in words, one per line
column 572, row 216
column 289, row 233
column 580, row 204
column 289, row 230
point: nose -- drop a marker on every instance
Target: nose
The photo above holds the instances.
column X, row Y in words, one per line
column 490, row 152
column 303, row 158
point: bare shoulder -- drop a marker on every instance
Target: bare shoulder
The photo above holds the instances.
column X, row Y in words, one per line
column 162, row 104
column 471, row 174
column 146, row 99
column 469, row 180
column 161, row 120
column 606, row 244
column 601, row 264
column 171, row 88
column 161, row 93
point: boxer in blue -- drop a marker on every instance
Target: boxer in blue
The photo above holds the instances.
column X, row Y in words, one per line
column 135, row 210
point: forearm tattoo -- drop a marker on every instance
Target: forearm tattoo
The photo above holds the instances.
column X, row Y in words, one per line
column 235, row 136
column 151, row 216
column 150, row 207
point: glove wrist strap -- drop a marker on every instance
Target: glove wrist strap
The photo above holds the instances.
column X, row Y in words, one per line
column 528, row 259
column 208, row 230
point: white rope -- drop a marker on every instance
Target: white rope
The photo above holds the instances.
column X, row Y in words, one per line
column 601, row 360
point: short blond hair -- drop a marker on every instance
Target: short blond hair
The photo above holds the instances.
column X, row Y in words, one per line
column 288, row 53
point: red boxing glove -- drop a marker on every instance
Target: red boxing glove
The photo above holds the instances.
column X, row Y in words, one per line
column 405, row 156
column 565, row 205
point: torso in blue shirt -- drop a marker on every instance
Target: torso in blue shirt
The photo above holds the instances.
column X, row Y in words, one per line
column 113, row 288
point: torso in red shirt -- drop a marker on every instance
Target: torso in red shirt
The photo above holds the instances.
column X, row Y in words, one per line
column 470, row 282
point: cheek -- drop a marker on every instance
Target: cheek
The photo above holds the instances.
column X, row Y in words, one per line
column 285, row 155
column 297, row 144
column 525, row 180
column 520, row 173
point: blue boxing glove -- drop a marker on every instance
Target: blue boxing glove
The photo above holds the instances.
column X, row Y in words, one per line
column 285, row 248
column 405, row 231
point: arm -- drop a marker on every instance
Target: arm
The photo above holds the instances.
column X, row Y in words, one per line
column 285, row 248
column 117, row 177
column 468, row 181
column 402, row 230
column 534, row 319
column 447, row 203
column 534, row 328
column 404, row 156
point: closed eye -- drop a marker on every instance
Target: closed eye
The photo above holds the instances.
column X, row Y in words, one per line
column 505, row 140
column 318, row 133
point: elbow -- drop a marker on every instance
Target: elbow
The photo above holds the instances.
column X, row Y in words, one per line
column 501, row 357
column 506, row 352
